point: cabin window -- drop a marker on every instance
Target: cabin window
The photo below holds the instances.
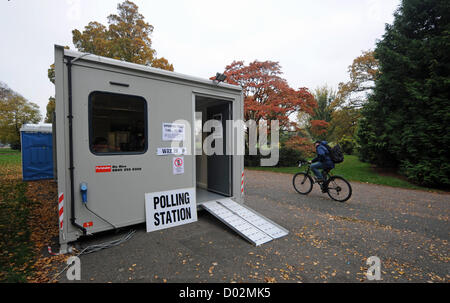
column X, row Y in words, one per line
column 117, row 124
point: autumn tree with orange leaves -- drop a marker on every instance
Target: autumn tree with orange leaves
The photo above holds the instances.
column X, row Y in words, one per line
column 353, row 95
column 266, row 94
column 363, row 72
column 126, row 38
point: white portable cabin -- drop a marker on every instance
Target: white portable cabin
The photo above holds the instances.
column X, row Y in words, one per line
column 113, row 121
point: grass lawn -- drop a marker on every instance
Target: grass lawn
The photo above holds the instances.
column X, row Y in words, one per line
column 16, row 248
column 8, row 151
column 353, row 170
column 10, row 157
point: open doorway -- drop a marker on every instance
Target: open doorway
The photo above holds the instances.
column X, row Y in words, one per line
column 213, row 172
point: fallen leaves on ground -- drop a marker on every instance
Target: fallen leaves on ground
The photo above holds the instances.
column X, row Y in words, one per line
column 15, row 246
column 29, row 223
column 44, row 228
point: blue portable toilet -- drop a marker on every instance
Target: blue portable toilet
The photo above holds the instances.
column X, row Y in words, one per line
column 37, row 151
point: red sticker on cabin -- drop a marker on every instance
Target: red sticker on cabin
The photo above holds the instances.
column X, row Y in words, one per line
column 178, row 162
column 103, row 169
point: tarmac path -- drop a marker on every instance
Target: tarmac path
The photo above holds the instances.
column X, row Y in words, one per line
column 407, row 230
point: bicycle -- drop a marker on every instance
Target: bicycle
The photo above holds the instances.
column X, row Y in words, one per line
column 337, row 187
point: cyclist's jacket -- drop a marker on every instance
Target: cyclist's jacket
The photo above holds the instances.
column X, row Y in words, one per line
column 323, row 156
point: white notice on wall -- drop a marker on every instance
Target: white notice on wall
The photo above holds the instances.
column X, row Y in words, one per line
column 178, row 165
column 173, row 132
column 170, row 208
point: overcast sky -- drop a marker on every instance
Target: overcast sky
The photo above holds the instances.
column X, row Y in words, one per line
column 314, row 41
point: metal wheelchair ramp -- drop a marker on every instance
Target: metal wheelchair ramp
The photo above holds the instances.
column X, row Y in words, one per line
column 246, row 222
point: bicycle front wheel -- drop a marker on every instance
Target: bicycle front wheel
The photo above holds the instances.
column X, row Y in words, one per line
column 302, row 183
column 339, row 189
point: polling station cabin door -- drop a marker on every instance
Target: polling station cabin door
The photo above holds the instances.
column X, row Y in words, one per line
column 220, row 166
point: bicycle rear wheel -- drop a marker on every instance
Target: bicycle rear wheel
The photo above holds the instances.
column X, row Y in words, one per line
column 302, row 183
column 339, row 189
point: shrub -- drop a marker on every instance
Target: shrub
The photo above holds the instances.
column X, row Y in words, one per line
column 252, row 161
column 348, row 145
column 288, row 157
column 301, row 144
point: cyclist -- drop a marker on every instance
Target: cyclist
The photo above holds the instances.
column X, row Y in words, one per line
column 322, row 161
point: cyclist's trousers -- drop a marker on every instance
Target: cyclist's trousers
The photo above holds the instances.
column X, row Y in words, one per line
column 315, row 168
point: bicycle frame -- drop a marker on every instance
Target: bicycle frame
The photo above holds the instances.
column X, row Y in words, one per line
column 325, row 184
column 326, row 173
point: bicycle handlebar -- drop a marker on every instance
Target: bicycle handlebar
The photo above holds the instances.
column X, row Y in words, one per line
column 302, row 162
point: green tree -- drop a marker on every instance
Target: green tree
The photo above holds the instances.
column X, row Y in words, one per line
column 344, row 123
column 406, row 122
column 318, row 123
column 15, row 111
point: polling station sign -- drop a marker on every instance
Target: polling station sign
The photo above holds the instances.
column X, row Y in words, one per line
column 170, row 208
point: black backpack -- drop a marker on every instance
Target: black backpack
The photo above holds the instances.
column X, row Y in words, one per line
column 336, row 154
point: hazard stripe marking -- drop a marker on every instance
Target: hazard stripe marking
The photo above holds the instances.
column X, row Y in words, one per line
column 242, row 183
column 49, row 249
column 61, row 209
